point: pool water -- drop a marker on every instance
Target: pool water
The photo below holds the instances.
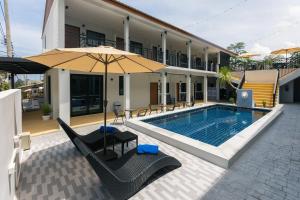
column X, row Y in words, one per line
column 212, row 125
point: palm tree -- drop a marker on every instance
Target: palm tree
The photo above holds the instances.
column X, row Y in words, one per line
column 225, row 76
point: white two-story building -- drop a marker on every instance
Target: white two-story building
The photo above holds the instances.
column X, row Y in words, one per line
column 192, row 62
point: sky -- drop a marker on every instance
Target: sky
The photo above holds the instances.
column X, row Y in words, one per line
column 264, row 25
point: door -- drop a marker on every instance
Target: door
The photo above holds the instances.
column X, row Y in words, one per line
column 296, row 90
column 86, row 94
column 72, row 36
column 153, row 93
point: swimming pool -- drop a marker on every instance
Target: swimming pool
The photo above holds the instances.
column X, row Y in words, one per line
column 212, row 125
column 215, row 132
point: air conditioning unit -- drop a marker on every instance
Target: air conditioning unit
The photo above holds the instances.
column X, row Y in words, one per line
column 25, row 141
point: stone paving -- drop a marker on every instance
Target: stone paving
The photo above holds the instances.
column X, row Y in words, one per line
column 269, row 169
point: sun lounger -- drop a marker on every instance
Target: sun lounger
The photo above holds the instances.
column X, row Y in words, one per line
column 94, row 140
column 126, row 176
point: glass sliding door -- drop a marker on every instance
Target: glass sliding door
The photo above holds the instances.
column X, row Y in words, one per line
column 86, row 94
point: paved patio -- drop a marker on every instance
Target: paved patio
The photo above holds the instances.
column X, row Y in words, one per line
column 269, row 169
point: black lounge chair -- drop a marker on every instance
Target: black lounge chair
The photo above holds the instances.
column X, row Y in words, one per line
column 127, row 175
column 94, row 140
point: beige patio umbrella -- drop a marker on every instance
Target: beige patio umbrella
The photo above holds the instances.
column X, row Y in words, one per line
column 102, row 59
column 248, row 55
column 286, row 52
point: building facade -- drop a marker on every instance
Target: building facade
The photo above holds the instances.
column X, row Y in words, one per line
column 192, row 62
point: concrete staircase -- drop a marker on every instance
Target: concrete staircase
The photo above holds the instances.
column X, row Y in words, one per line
column 261, row 92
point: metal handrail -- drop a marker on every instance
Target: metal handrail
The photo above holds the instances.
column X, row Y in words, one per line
column 275, row 88
column 242, row 81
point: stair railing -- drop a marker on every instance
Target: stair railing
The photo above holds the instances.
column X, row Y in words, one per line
column 242, row 81
column 275, row 88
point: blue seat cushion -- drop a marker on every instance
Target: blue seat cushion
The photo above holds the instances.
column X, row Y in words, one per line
column 109, row 129
column 147, row 149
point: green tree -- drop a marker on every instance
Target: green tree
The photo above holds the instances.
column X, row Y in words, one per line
column 238, row 47
column 237, row 63
column 225, row 76
column 4, row 86
column 19, row 83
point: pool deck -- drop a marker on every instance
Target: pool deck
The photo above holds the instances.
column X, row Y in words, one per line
column 268, row 169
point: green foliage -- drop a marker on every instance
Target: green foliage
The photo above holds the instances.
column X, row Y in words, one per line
column 46, row 108
column 237, row 63
column 19, row 83
column 232, row 100
column 238, row 47
column 225, row 76
column 264, row 103
column 4, row 86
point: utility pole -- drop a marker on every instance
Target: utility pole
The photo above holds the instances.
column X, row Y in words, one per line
column 9, row 48
column 8, row 34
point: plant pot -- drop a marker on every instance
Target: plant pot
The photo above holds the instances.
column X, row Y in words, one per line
column 46, row 117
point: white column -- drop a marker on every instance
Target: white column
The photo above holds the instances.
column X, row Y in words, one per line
column 206, row 58
column 126, row 76
column 189, row 54
column 218, row 89
column 164, row 46
column 164, row 89
column 58, row 24
column 188, row 89
column 64, row 95
column 205, row 89
column 218, row 61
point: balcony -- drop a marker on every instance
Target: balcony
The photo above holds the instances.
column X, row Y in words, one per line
column 174, row 58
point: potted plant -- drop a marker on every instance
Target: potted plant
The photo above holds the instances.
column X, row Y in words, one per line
column 264, row 103
column 231, row 100
column 46, row 108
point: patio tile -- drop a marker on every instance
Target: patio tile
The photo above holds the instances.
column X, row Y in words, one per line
column 269, row 169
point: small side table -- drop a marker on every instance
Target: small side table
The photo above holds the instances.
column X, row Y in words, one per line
column 125, row 137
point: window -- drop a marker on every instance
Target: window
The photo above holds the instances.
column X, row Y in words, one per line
column 168, row 88
column 94, row 39
column 121, row 85
column 183, row 87
column 136, row 47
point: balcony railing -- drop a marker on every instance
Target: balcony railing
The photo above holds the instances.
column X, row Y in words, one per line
column 173, row 58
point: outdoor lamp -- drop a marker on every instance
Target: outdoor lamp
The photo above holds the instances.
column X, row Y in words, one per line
column 244, row 95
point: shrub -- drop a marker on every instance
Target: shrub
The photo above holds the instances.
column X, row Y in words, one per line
column 46, row 108
column 232, row 100
column 264, row 103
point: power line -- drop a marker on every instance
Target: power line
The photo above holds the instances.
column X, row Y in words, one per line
column 2, row 30
column 2, row 10
column 271, row 34
column 216, row 15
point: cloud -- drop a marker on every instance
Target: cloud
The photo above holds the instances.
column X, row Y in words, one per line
column 258, row 48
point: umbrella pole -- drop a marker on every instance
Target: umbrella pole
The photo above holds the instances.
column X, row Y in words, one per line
column 106, row 154
column 105, row 104
column 286, row 59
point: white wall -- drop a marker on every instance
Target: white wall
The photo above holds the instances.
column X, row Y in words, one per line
column 54, row 32
column 287, row 93
column 53, row 73
column 261, row 76
column 10, row 126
